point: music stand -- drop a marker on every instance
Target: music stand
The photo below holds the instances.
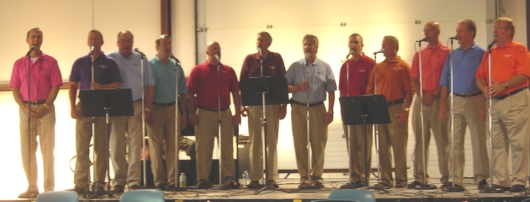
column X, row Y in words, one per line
column 363, row 110
column 105, row 103
column 261, row 91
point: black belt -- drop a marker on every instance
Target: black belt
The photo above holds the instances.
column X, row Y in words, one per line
column 212, row 109
column 35, row 102
column 304, row 104
column 138, row 100
column 164, row 104
column 467, row 95
column 393, row 102
column 511, row 93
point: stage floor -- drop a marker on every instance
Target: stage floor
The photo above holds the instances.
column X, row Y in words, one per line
column 296, row 195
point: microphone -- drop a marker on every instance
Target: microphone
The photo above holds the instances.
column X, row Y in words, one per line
column 260, row 53
column 454, row 38
column 217, row 57
column 379, row 51
column 174, row 58
column 31, row 49
column 349, row 53
column 92, row 49
column 138, row 51
column 307, row 56
column 424, row 39
column 492, row 43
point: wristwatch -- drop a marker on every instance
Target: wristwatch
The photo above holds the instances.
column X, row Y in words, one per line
column 407, row 109
column 330, row 112
column 505, row 84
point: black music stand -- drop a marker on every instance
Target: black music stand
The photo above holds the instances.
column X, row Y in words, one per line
column 105, row 103
column 261, row 91
column 363, row 110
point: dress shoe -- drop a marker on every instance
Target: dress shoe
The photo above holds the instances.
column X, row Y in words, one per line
column 253, row 185
column 304, row 185
column 413, row 185
column 319, row 185
column 161, row 186
column 448, row 186
column 401, row 184
column 496, row 187
column 28, row 194
column 117, row 189
column 273, row 183
column 352, row 185
column 231, row 185
column 517, row 188
column 381, row 186
column 204, row 185
column 481, row 184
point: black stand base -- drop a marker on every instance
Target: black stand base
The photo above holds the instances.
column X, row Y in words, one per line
column 95, row 195
column 490, row 190
column 265, row 187
column 172, row 188
column 454, row 189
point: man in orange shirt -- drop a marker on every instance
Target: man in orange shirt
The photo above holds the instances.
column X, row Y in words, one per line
column 392, row 80
column 433, row 59
column 510, row 68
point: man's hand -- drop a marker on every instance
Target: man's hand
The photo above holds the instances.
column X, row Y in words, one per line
column 149, row 118
column 303, row 86
column 41, row 111
column 444, row 115
column 194, row 119
column 495, row 88
column 74, row 114
column 183, row 121
column 244, row 111
column 282, row 112
column 427, row 99
column 329, row 118
column 402, row 117
column 236, row 120
column 95, row 85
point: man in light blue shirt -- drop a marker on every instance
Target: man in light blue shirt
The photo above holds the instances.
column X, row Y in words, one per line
column 165, row 72
column 468, row 103
column 309, row 80
column 130, row 65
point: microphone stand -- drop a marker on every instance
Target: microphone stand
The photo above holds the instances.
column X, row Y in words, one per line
column 29, row 116
column 423, row 185
column 176, row 186
column 143, row 114
column 376, row 139
column 453, row 188
column 490, row 134
column 221, row 187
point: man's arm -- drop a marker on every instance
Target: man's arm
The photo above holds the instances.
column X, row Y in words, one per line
column 236, row 119
column 149, row 94
column 498, row 87
column 43, row 109
column 18, row 99
column 443, row 104
column 194, row 119
column 481, row 84
column 72, row 94
column 183, row 99
column 331, row 104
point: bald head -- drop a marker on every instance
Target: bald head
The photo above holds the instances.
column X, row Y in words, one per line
column 431, row 30
column 213, row 48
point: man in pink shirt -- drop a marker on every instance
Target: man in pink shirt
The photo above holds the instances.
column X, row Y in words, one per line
column 35, row 93
column 433, row 59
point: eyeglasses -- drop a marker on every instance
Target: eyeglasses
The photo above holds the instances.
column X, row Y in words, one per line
column 499, row 28
column 427, row 30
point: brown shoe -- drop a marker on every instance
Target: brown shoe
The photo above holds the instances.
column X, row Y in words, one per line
column 517, row 188
column 401, row 184
column 304, row 185
column 253, row 185
column 319, row 185
column 272, row 183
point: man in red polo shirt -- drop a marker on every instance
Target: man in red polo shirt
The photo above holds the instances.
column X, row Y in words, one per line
column 354, row 75
column 203, row 83
column 433, row 60
column 510, row 69
column 272, row 66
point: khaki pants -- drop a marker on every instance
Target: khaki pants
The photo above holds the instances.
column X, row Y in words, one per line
column 44, row 128
column 256, row 145
column 162, row 131
column 83, row 135
column 205, row 134
column 395, row 136
column 126, row 130
column 439, row 131
column 467, row 113
column 355, row 141
column 318, row 136
column 510, row 126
